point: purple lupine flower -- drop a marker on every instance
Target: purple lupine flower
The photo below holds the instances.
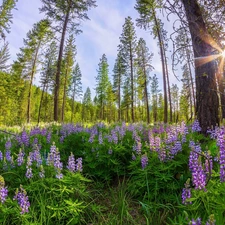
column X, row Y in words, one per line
column 48, row 138
column 175, row 149
column 196, row 126
column 35, row 131
column 221, row 144
column 144, row 161
column 57, row 163
column 100, row 140
column 199, row 178
column 35, row 142
column 3, row 194
column 195, row 222
column 91, row 139
column 20, row 158
column 193, row 160
column 8, row 155
column 51, row 155
column 186, row 193
column 8, row 145
column 25, row 139
column 114, row 136
column 29, row 173
column 54, row 160
column 36, row 155
column 138, row 147
column 1, row 156
column 71, row 163
column 196, row 168
column 162, row 154
column 22, row 199
column 43, row 132
column 42, row 172
column 79, row 166
column 133, row 156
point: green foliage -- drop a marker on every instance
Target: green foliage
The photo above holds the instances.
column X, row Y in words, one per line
column 6, row 16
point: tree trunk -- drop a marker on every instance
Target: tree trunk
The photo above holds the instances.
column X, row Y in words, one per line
column 192, row 91
column 41, row 100
column 132, row 85
column 145, row 88
column 64, row 96
column 73, row 99
column 168, row 86
column 207, row 102
column 163, row 69
column 57, row 77
column 220, row 76
column 119, row 101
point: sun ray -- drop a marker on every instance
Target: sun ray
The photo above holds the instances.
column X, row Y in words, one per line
column 203, row 60
column 220, row 67
column 209, row 40
column 223, row 53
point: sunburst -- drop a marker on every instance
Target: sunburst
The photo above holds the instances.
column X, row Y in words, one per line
column 223, row 53
column 199, row 61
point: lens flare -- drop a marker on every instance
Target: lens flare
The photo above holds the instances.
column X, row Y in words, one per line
column 223, row 53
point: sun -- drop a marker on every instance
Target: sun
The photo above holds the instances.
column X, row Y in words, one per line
column 223, row 53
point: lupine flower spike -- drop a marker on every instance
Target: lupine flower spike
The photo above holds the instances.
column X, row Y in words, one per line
column 22, row 199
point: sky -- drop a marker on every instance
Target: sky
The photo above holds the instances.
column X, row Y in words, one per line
column 100, row 36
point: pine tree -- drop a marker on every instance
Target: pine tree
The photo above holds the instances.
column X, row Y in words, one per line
column 6, row 16
column 128, row 41
column 47, row 76
column 75, row 86
column 155, row 91
column 102, row 80
column 86, row 105
column 184, row 55
column 118, row 75
column 126, row 99
column 144, row 66
column 4, row 57
column 207, row 101
column 27, row 61
column 67, row 14
column 69, row 59
column 148, row 19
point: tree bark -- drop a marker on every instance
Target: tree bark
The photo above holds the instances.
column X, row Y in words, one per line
column 207, row 102
column 57, row 77
column 64, row 96
column 163, row 69
column 168, row 85
column 132, row 85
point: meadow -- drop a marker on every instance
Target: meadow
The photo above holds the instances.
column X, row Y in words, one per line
column 119, row 174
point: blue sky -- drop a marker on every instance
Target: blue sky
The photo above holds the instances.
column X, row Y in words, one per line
column 100, row 35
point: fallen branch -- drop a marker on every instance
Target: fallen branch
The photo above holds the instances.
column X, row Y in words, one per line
column 7, row 132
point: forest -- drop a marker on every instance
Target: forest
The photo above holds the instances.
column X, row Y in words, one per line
column 133, row 92
column 138, row 149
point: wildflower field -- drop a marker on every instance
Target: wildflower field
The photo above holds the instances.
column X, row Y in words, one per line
column 112, row 174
